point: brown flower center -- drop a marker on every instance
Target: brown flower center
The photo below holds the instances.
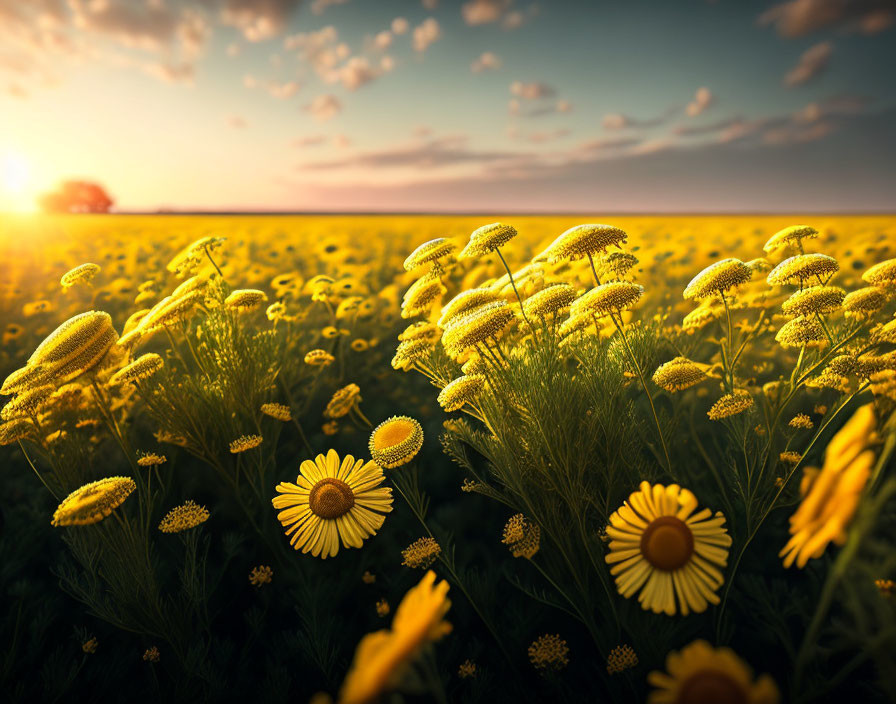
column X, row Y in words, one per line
column 392, row 434
column 711, row 687
column 668, row 543
column 331, row 498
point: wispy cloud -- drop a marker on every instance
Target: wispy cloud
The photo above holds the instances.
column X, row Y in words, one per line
column 812, row 63
column 798, row 18
column 486, row 61
column 324, row 107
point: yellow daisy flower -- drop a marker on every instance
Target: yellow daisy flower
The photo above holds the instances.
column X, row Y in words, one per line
column 831, row 497
column 333, row 501
column 660, row 547
column 381, row 656
column 701, row 673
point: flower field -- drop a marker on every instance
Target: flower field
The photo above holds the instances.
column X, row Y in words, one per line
column 445, row 458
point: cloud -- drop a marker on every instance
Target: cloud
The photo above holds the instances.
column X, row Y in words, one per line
column 539, row 137
column 282, row 91
column 324, row 107
column 620, row 121
column 430, row 154
column 703, row 98
column 400, row 26
column 487, row 61
column 798, row 18
column 237, row 122
column 258, row 19
column 478, row 12
column 318, row 7
column 843, row 105
column 425, row 34
column 341, row 141
column 383, row 40
column 710, row 128
column 356, row 72
column 607, row 143
column 311, row 140
column 171, row 72
column 797, row 134
column 519, row 109
column 430, row 4
column 812, row 63
column 531, row 91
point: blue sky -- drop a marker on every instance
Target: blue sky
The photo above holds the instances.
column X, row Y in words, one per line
column 452, row 106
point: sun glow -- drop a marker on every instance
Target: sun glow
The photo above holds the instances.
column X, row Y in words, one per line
column 15, row 183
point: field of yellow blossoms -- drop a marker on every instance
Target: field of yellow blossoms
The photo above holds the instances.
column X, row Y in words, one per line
column 448, row 459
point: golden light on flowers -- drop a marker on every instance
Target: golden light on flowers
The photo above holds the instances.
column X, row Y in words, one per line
column 382, row 656
column 831, row 497
column 22, row 379
column 278, row 411
column 467, row 670
column 410, row 351
column 429, row 252
column 76, row 346
column 28, row 403
column 245, row 443
column 612, row 297
column 15, row 430
column 421, row 553
column 522, row 536
column 343, row 401
column 701, row 674
column 790, row 236
column 864, row 301
column 488, row 238
column 422, row 295
column 801, row 268
column 151, row 459
column 395, row 441
column 678, row 374
column 245, row 300
column 801, row 421
column 580, row 241
column 549, row 653
column 319, row 358
column 462, row 390
column 141, row 368
column 549, row 300
column 814, row 299
column 151, row 654
column 477, row 326
column 466, row 301
column 882, row 274
column 718, row 278
column 189, row 258
column 731, row 404
column 801, row 332
column 93, row 502
column 261, row 575
column 79, row 275
column 620, row 659
column 184, row 517
column 333, row 501
column 662, row 547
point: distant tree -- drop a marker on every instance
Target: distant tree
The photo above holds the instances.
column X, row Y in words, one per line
column 76, row 197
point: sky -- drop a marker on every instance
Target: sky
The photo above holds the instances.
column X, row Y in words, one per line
column 440, row 106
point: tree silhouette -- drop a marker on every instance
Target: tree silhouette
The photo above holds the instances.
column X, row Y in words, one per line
column 76, row 197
